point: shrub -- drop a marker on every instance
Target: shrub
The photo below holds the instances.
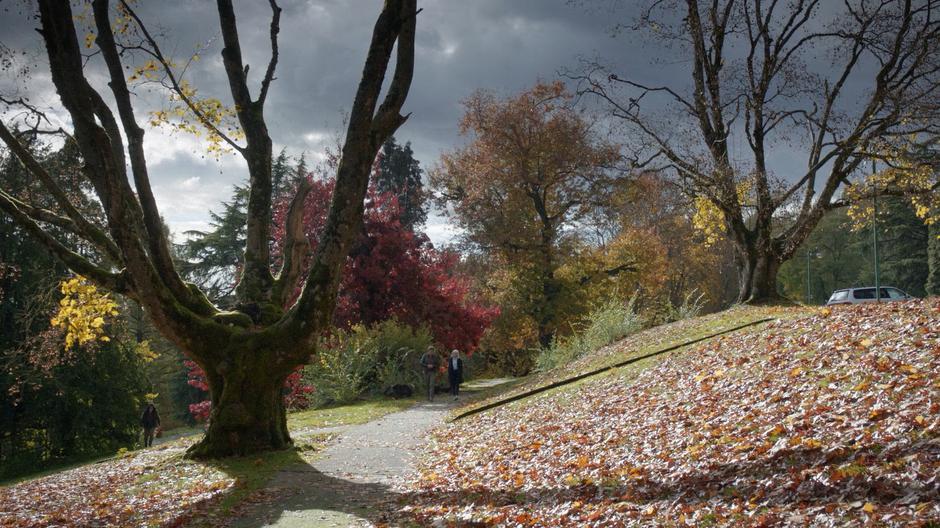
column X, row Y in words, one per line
column 366, row 361
column 606, row 324
column 691, row 307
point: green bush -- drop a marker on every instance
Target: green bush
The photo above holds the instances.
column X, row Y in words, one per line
column 606, row 324
column 366, row 361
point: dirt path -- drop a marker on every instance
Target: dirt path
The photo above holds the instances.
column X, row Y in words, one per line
column 353, row 477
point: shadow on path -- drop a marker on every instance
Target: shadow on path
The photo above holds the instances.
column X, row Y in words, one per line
column 302, row 495
column 321, row 496
column 351, row 480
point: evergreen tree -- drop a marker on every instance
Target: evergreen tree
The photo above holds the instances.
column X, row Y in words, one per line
column 902, row 247
column 300, row 171
column 281, row 180
column 400, row 173
column 212, row 258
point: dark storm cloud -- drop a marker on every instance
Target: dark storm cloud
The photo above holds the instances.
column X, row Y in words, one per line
column 461, row 46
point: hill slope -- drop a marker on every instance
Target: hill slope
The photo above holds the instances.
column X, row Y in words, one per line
column 829, row 419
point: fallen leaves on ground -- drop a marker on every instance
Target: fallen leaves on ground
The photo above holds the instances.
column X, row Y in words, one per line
column 645, row 342
column 155, row 487
column 827, row 420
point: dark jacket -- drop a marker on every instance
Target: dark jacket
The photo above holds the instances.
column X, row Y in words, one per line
column 455, row 375
column 430, row 362
column 151, row 418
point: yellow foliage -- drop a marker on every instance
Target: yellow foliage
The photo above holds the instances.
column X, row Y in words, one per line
column 590, row 284
column 82, row 312
column 194, row 115
column 144, row 351
column 904, row 174
column 709, row 220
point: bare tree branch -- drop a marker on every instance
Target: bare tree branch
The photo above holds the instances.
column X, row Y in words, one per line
column 115, row 282
column 157, row 241
column 365, row 134
column 296, row 246
column 155, row 52
column 272, row 64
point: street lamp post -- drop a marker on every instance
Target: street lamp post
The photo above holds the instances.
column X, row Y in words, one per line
column 808, row 290
column 874, row 236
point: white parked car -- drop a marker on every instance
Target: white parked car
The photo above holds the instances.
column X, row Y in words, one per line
column 866, row 295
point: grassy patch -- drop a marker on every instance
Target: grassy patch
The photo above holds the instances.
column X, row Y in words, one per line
column 352, row 414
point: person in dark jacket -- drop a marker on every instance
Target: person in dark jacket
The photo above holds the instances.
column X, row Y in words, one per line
column 430, row 362
column 455, row 372
column 150, row 421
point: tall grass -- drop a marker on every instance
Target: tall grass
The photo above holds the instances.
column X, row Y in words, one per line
column 691, row 307
column 606, row 324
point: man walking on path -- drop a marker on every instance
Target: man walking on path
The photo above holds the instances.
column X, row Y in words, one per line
column 455, row 372
column 430, row 362
column 150, row 421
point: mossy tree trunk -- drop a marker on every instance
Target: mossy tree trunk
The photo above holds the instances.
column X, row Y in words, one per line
column 248, row 413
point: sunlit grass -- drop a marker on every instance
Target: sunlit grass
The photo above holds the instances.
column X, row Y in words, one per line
column 352, row 414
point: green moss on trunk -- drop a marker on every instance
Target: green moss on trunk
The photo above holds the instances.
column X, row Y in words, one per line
column 248, row 414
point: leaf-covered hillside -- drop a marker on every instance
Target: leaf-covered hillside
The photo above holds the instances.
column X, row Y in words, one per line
column 831, row 419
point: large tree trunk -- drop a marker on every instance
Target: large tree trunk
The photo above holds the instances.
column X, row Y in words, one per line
column 757, row 279
column 248, row 413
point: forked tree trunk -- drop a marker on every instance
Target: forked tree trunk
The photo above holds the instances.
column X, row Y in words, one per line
column 248, row 413
column 757, row 279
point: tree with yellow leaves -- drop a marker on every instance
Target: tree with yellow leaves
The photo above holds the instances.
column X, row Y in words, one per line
column 82, row 312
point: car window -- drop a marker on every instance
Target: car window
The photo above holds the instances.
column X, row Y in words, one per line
column 895, row 293
column 864, row 293
column 840, row 295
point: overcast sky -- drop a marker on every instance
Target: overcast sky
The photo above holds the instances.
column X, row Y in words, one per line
column 462, row 46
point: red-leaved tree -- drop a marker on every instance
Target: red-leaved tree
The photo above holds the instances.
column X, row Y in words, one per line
column 393, row 272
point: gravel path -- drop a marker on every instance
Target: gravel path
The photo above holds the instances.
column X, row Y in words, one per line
column 353, row 477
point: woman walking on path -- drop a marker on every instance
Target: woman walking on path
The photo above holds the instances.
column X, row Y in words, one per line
column 455, row 372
